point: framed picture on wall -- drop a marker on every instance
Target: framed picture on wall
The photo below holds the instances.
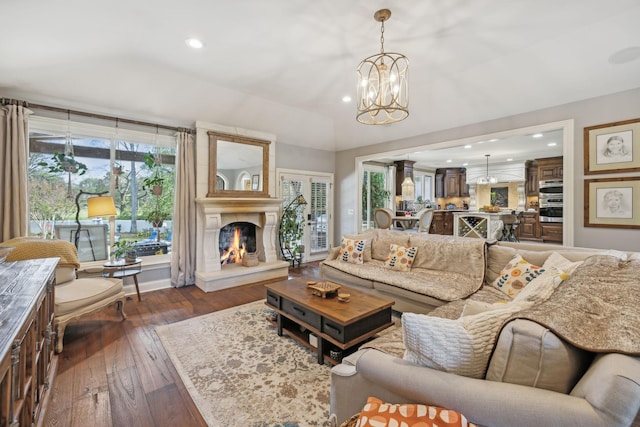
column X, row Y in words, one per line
column 612, row 202
column 255, row 182
column 612, row 147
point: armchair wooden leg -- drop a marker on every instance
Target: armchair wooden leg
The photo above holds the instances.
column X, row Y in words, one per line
column 59, row 337
column 120, row 306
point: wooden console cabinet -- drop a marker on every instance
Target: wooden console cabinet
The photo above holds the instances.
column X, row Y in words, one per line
column 27, row 359
column 528, row 228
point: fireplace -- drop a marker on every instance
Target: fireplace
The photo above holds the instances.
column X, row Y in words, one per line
column 218, row 219
column 236, row 239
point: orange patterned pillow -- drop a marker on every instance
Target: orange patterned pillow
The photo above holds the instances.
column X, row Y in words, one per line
column 377, row 413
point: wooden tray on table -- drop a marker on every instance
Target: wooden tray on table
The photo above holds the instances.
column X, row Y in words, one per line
column 323, row 289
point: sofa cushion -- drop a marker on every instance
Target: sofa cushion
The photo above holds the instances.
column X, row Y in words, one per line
column 516, row 275
column 80, row 293
column 472, row 307
column 460, row 346
column 377, row 413
column 529, row 354
column 352, row 251
column 384, row 239
column 400, row 258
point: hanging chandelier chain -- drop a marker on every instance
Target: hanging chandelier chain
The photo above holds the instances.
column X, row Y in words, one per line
column 382, row 36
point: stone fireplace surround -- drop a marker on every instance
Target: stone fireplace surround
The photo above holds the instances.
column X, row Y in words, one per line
column 216, row 212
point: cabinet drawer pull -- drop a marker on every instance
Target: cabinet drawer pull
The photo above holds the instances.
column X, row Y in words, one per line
column 272, row 297
column 302, row 313
column 330, row 326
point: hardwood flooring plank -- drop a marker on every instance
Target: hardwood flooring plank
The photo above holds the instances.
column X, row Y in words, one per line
column 129, row 404
column 172, row 410
column 92, row 410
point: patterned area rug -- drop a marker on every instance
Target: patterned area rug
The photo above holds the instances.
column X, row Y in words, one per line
column 239, row 372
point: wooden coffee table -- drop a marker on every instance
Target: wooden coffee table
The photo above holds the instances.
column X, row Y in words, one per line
column 345, row 325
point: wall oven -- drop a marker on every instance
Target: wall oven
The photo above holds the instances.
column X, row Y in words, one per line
column 550, row 200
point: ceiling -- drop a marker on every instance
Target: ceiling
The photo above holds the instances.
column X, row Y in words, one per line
column 283, row 66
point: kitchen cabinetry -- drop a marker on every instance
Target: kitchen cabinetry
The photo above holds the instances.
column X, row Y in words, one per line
column 528, row 226
column 531, row 184
column 442, row 223
column 550, row 168
column 27, row 360
column 454, row 182
column 551, row 232
column 404, row 169
column 439, row 183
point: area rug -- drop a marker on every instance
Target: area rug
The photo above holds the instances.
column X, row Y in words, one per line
column 239, row 372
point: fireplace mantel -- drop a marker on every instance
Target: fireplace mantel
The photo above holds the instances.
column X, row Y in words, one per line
column 216, row 212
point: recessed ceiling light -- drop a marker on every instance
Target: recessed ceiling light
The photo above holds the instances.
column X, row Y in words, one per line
column 481, row 142
column 625, row 55
column 194, row 43
column 537, row 135
column 467, row 146
column 551, row 144
column 346, row 98
column 449, row 161
column 509, row 160
column 465, row 164
column 493, row 140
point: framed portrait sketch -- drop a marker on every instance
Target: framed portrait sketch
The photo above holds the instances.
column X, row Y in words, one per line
column 612, row 202
column 612, row 147
column 255, row 182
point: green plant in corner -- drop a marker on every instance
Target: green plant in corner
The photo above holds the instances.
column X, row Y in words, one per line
column 124, row 248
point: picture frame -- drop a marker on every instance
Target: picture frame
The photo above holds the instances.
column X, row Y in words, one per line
column 612, row 202
column 612, row 147
column 255, row 182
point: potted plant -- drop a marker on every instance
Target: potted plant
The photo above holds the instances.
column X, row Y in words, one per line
column 155, row 181
column 125, row 249
column 63, row 163
column 157, row 217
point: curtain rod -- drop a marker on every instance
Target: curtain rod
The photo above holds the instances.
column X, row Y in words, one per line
column 98, row 116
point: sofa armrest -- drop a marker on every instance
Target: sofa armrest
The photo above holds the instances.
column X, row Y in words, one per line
column 397, row 381
column 333, row 253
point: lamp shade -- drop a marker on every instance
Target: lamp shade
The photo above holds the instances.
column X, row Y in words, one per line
column 100, row 206
column 408, row 189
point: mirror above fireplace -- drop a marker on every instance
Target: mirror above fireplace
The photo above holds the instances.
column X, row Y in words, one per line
column 238, row 166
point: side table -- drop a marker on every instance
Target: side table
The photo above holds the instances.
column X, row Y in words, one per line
column 122, row 268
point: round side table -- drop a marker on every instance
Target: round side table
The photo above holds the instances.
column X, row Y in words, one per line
column 122, row 268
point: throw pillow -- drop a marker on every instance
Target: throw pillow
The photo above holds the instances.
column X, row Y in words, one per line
column 352, row 251
column 400, row 257
column 460, row 346
column 516, row 275
column 556, row 269
column 377, row 413
column 367, row 236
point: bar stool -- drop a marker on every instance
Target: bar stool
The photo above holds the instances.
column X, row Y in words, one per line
column 509, row 224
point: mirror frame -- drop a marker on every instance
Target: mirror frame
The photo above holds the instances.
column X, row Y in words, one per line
column 213, row 165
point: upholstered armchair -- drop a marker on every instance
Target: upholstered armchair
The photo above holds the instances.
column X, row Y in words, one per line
column 74, row 297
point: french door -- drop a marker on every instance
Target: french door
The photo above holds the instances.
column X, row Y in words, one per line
column 316, row 214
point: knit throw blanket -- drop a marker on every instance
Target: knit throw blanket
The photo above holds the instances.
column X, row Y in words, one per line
column 597, row 308
column 32, row 248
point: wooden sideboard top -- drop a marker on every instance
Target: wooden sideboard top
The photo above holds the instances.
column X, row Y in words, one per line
column 21, row 283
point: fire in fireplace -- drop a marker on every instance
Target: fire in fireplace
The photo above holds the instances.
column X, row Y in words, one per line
column 236, row 239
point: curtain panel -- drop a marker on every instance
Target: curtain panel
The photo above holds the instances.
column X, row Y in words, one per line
column 14, row 143
column 183, row 245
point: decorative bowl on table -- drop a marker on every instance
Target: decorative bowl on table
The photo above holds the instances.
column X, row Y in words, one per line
column 4, row 252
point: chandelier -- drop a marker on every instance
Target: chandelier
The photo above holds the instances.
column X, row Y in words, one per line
column 487, row 179
column 383, row 84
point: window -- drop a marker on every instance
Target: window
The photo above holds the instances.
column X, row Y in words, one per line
column 126, row 163
column 375, row 192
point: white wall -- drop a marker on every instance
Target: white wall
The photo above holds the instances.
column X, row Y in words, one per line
column 605, row 109
column 306, row 159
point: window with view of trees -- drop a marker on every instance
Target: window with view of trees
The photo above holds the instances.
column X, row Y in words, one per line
column 130, row 165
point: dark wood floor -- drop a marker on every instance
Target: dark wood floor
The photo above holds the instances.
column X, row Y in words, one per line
column 116, row 373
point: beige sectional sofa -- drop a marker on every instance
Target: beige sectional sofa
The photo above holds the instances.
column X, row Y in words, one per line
column 529, row 377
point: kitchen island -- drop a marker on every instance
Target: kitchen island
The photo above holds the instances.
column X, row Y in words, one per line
column 478, row 224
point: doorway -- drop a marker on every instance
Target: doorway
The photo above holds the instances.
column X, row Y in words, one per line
column 317, row 190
